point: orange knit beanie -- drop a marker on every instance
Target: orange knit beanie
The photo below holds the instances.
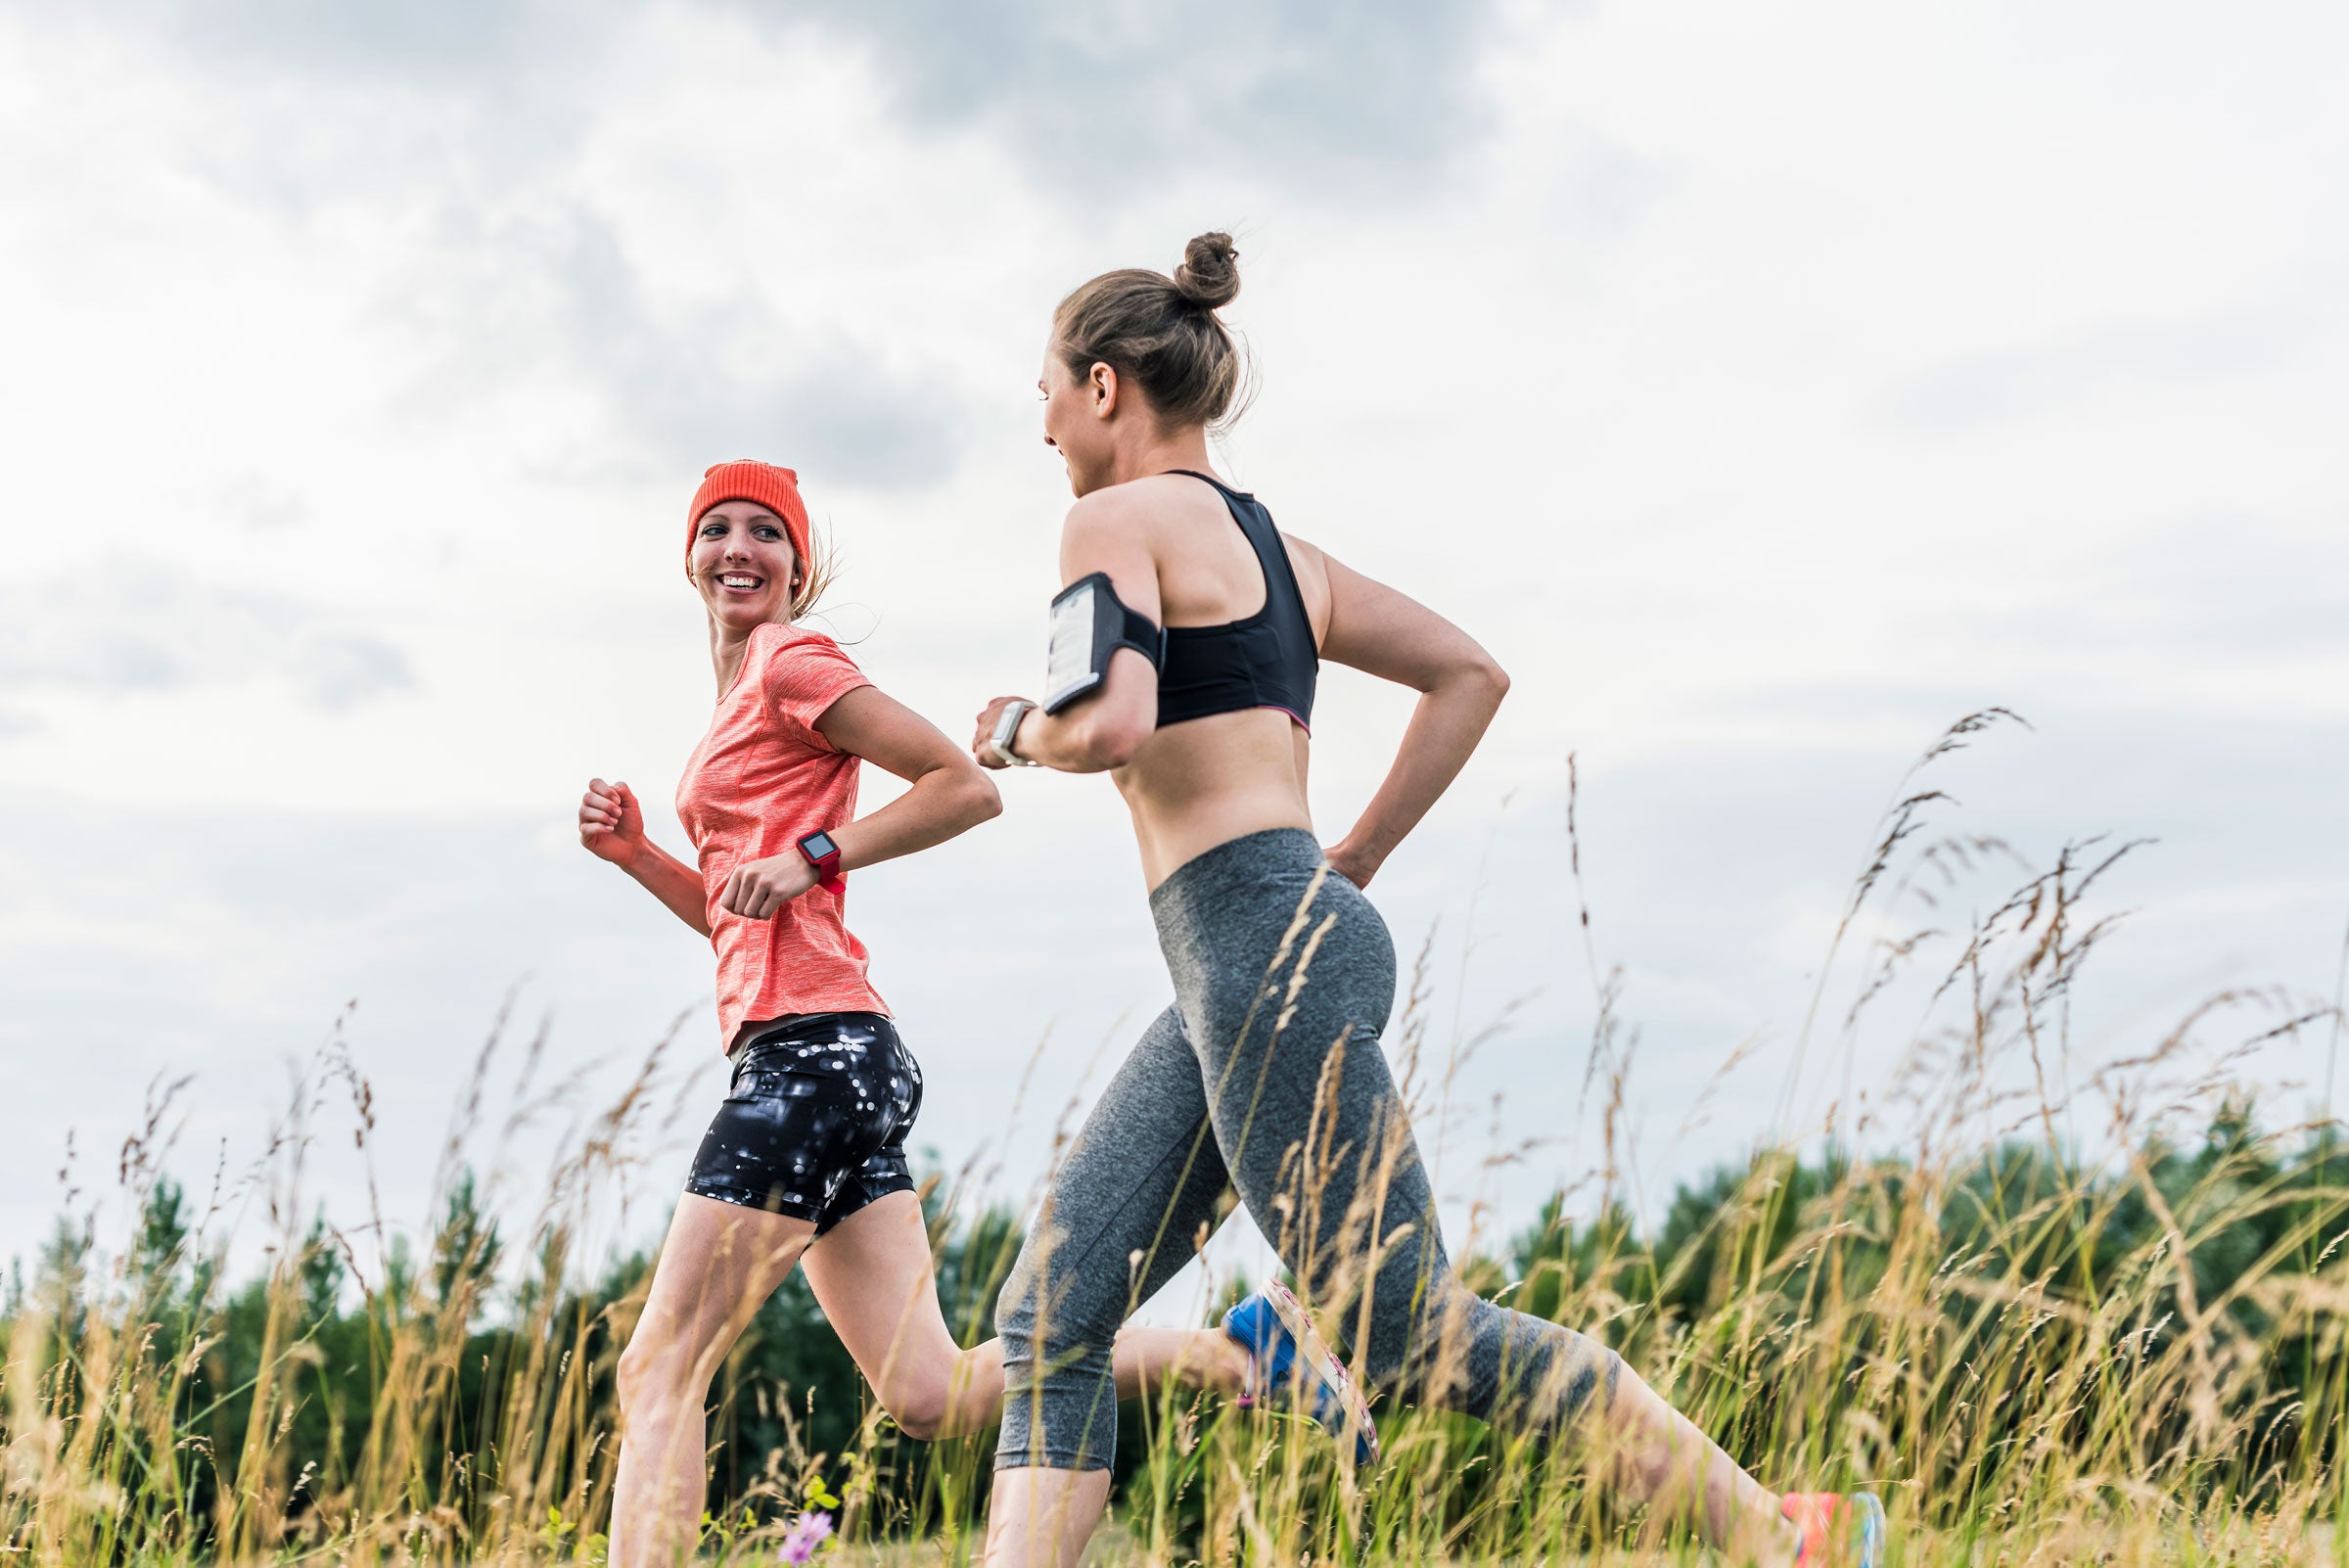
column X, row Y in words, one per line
column 746, row 479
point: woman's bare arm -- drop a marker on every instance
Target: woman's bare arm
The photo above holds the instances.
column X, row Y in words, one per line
column 949, row 796
column 1104, row 729
column 949, row 793
column 611, row 827
column 1384, row 633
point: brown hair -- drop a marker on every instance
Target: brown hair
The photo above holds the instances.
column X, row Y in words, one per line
column 816, row 572
column 1163, row 332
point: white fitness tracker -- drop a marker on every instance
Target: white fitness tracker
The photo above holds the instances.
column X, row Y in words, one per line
column 1007, row 729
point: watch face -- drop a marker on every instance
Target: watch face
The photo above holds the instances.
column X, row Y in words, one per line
column 815, row 846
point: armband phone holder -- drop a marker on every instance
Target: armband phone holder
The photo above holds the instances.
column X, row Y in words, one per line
column 1090, row 623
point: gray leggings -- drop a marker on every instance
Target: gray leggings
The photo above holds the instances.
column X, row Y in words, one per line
column 1266, row 1076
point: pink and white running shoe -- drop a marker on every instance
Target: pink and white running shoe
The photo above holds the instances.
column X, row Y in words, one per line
column 1838, row 1529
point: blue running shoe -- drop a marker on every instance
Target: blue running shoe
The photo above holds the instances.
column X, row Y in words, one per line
column 1289, row 1361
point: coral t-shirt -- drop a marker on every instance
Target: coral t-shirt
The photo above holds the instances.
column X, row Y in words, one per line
column 762, row 779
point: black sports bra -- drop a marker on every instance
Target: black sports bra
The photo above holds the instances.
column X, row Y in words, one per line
column 1268, row 660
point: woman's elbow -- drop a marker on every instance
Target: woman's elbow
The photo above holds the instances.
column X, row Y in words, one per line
column 979, row 800
column 1110, row 741
column 1483, row 677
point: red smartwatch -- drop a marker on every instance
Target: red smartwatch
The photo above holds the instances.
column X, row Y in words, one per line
column 823, row 854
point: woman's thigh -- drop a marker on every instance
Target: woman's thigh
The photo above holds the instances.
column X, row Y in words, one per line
column 872, row 1276
column 1305, row 1111
column 1136, row 1196
column 719, row 1263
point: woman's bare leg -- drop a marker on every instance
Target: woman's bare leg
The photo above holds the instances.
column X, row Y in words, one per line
column 718, row 1265
column 872, row 1276
column 1651, row 1453
column 1041, row 1518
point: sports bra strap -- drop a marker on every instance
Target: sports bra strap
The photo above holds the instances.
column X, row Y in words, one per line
column 1264, row 659
column 1234, row 502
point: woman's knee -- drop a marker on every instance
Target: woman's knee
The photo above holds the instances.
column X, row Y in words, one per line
column 638, row 1372
column 652, row 1375
column 920, row 1398
column 938, row 1390
column 1015, row 1315
column 1015, row 1299
column 919, row 1407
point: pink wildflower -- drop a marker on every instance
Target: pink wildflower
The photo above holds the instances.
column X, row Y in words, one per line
column 807, row 1532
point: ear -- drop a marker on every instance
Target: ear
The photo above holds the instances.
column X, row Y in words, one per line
column 1103, row 381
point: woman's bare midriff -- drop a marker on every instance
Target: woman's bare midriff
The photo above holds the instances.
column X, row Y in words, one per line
column 1195, row 785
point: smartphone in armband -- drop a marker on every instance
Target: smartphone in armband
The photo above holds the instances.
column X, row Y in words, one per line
column 1090, row 622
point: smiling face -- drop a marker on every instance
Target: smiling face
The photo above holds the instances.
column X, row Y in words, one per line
column 1078, row 418
column 743, row 564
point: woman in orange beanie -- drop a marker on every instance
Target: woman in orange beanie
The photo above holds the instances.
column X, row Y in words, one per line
column 805, row 1162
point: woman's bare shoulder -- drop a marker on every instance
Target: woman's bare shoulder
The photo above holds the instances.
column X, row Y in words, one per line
column 1311, row 569
column 1151, row 496
column 1156, row 511
column 1303, row 553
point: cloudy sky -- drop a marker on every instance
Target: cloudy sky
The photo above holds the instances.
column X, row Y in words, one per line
column 1767, row 387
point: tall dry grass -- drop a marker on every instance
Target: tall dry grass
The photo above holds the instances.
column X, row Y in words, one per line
column 2056, row 1311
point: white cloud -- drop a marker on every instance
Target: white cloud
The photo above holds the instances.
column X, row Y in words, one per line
column 121, row 627
column 1766, row 390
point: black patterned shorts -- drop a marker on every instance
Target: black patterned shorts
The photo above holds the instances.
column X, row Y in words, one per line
column 816, row 1125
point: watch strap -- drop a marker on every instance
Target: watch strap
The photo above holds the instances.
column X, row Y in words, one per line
column 827, row 866
column 1007, row 730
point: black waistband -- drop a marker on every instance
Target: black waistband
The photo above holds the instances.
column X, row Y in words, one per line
column 805, row 1028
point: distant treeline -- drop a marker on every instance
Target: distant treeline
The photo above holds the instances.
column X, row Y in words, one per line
column 2182, row 1307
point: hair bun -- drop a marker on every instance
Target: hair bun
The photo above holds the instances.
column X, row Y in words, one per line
column 1209, row 274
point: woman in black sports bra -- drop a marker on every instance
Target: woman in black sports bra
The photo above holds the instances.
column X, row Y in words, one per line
column 1267, row 660
column 1265, row 1074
